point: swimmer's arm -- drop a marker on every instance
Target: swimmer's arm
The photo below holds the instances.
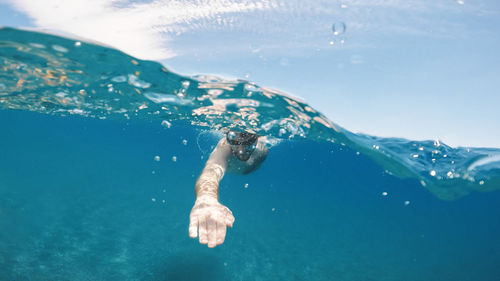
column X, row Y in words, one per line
column 208, row 182
column 208, row 219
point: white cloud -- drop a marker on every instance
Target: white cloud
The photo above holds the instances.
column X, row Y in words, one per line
column 140, row 29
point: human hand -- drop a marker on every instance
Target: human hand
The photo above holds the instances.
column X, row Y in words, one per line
column 208, row 220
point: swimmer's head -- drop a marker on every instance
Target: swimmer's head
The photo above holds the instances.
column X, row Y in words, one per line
column 242, row 144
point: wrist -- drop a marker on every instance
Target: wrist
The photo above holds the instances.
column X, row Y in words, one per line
column 207, row 197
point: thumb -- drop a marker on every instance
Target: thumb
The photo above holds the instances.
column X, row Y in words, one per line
column 229, row 220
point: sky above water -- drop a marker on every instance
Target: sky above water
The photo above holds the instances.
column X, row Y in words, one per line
column 414, row 69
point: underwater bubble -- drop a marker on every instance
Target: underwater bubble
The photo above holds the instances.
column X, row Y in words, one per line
column 437, row 143
column 407, row 203
column 432, row 173
column 174, row 158
column 167, row 98
column 157, row 158
column 343, row 6
column 251, row 87
column 384, row 193
column 61, row 94
column 185, row 84
column 181, row 93
column 332, row 43
column 166, row 124
column 59, row 48
column 231, row 135
column 204, row 141
column 292, row 128
column 421, row 148
column 460, row 2
column 134, row 80
column 415, row 155
column 338, row 28
column 184, row 142
column 273, row 209
column 36, row 45
column 481, row 182
column 119, row 79
column 246, row 185
column 163, row 201
column 153, row 199
column 78, row 44
column 164, row 190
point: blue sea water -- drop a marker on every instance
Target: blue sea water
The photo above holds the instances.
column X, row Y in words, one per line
column 83, row 198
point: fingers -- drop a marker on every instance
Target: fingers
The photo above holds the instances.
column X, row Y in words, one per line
column 193, row 227
column 229, row 220
column 212, row 232
column 202, row 230
column 221, row 232
column 211, row 228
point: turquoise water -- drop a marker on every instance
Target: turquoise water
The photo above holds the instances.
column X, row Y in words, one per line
column 82, row 197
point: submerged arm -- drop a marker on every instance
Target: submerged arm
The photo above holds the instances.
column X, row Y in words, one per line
column 209, row 218
column 208, row 182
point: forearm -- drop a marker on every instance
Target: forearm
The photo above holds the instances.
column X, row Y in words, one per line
column 208, row 182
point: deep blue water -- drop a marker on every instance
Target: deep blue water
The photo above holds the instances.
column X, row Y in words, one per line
column 76, row 192
column 76, row 204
